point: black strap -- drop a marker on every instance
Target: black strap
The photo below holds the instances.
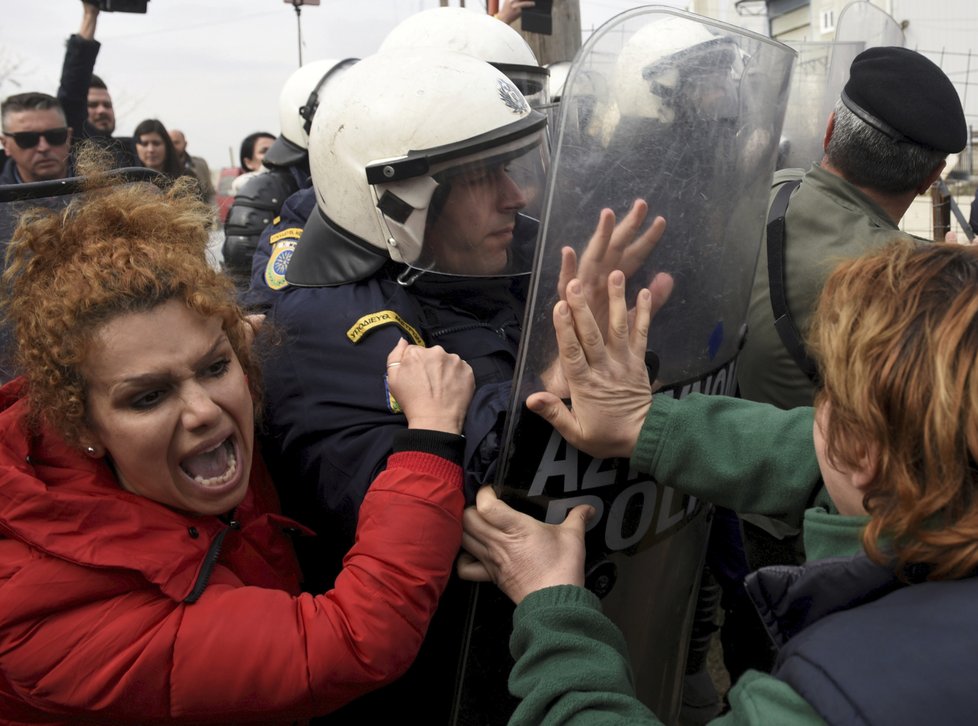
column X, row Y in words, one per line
column 787, row 330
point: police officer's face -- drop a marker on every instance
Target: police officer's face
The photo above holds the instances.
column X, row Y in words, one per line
column 474, row 229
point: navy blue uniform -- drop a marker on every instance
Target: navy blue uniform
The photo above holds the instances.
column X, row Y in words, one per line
column 329, row 418
column 277, row 241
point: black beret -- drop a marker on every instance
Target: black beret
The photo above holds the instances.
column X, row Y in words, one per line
column 907, row 97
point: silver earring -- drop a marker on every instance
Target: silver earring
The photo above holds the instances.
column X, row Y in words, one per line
column 90, row 450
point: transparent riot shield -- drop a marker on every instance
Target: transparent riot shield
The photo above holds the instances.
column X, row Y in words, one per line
column 863, row 22
column 815, row 87
column 685, row 113
column 821, row 71
column 15, row 199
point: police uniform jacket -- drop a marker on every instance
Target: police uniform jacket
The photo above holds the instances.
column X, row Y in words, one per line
column 329, row 417
column 828, row 219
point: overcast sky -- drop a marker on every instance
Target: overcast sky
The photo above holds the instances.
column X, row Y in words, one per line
column 213, row 68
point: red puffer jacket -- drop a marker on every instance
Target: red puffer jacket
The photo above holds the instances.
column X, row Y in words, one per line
column 114, row 608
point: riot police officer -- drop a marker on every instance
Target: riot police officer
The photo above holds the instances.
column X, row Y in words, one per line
column 262, row 196
column 447, row 28
column 416, row 233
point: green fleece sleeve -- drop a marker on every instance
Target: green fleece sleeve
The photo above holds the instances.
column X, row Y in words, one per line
column 758, row 699
column 572, row 668
column 746, row 456
column 571, row 663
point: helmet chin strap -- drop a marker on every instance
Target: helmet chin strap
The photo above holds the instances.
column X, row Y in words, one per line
column 409, row 276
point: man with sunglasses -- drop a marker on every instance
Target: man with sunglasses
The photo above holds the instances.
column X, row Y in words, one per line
column 37, row 142
column 36, row 138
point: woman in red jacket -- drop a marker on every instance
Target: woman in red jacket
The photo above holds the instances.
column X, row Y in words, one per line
column 144, row 572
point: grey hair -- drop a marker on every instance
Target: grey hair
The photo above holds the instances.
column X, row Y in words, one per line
column 30, row 101
column 870, row 158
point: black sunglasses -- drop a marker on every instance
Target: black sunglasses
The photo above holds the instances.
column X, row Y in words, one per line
column 30, row 139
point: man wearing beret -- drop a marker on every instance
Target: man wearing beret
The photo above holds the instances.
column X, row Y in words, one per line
column 896, row 121
column 885, row 143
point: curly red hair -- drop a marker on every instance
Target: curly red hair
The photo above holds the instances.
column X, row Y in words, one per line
column 896, row 337
column 111, row 251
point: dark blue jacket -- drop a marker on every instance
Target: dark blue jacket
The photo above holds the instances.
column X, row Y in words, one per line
column 256, row 207
column 9, row 173
column 328, row 414
column 329, row 421
column 863, row 647
column 76, row 76
column 277, row 241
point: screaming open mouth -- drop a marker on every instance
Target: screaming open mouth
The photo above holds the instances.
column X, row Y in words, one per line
column 214, row 467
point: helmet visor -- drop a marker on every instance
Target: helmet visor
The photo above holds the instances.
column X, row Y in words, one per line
column 705, row 78
column 482, row 220
column 532, row 82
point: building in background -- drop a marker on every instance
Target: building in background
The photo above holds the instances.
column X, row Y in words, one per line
column 946, row 32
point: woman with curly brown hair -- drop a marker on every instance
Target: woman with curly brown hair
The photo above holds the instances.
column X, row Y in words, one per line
column 145, row 574
column 878, row 627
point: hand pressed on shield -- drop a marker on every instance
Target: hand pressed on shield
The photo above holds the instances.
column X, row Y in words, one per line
column 608, row 382
column 518, row 553
column 432, row 387
column 611, row 247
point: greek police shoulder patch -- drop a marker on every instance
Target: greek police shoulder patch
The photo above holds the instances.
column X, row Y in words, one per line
column 380, row 319
column 392, row 405
column 283, row 243
column 290, row 233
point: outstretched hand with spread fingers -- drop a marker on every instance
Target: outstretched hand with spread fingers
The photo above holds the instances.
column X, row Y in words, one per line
column 608, row 382
column 613, row 246
column 517, row 552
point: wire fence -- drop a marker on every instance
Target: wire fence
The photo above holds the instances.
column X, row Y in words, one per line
column 931, row 215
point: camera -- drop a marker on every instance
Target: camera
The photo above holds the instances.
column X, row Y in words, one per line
column 119, row 6
column 539, row 18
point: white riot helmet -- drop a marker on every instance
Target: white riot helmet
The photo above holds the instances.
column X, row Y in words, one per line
column 297, row 103
column 477, row 34
column 425, row 158
column 559, row 70
column 677, row 58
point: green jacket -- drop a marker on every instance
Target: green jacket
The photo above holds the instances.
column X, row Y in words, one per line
column 828, row 220
column 571, row 663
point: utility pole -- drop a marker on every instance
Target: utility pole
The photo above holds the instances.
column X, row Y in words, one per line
column 297, row 4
